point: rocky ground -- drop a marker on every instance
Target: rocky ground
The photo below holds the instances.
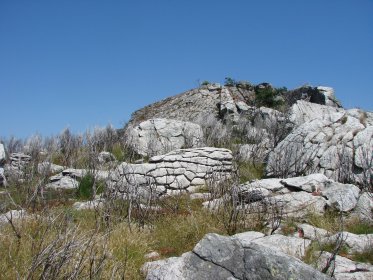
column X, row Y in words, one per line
column 290, row 185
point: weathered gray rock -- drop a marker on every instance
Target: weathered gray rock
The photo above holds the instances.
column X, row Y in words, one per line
column 160, row 136
column 291, row 246
column 364, row 207
column 330, row 141
column 245, row 238
column 330, row 99
column 311, row 183
column 15, row 169
column 182, row 169
column 311, row 232
column 255, row 153
column 272, row 184
column 343, row 197
column 2, row 154
column 303, row 112
column 105, row 157
column 3, row 181
column 12, row 215
column 48, row 167
column 344, row 268
column 298, row 204
column 62, row 182
column 356, row 243
column 88, row 205
column 220, row 257
column 69, row 178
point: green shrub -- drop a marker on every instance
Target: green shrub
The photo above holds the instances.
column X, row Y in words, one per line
column 365, row 256
column 269, row 97
column 248, row 171
column 205, row 83
column 229, row 82
column 85, row 188
column 359, row 227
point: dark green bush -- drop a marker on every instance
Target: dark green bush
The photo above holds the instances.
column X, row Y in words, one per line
column 85, row 188
column 269, row 97
column 229, row 82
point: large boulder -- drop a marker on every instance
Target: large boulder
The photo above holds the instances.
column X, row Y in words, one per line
column 221, row 257
column 159, row 136
column 179, row 170
column 331, row 141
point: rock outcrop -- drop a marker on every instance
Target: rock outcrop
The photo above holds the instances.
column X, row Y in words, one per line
column 196, row 105
column 16, row 167
column 296, row 196
column 319, row 95
column 69, row 178
column 180, row 170
column 220, row 257
column 2, row 162
column 334, row 142
column 2, row 155
column 160, row 136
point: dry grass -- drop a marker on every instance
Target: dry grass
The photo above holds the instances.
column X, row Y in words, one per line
column 83, row 236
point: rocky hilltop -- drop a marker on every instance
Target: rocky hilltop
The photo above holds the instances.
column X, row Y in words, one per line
column 284, row 176
column 219, row 101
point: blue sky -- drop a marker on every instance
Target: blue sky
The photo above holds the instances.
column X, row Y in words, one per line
column 79, row 63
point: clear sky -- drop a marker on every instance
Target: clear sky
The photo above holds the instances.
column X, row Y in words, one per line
column 79, row 64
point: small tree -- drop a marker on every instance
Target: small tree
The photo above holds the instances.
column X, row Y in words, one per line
column 229, row 82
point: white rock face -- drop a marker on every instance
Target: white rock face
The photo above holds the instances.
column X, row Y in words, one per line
column 343, row 197
column 105, row 157
column 294, row 197
column 2, row 154
column 291, row 246
column 298, row 204
column 179, row 170
column 356, row 243
column 311, row 183
column 218, row 257
column 88, row 205
column 12, row 215
column 312, row 233
column 273, row 185
column 2, row 177
column 159, row 136
column 334, row 142
column 364, row 207
column 62, row 182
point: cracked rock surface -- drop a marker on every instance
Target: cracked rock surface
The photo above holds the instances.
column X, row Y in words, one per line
column 159, row 136
column 222, row 257
column 179, row 170
column 327, row 140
